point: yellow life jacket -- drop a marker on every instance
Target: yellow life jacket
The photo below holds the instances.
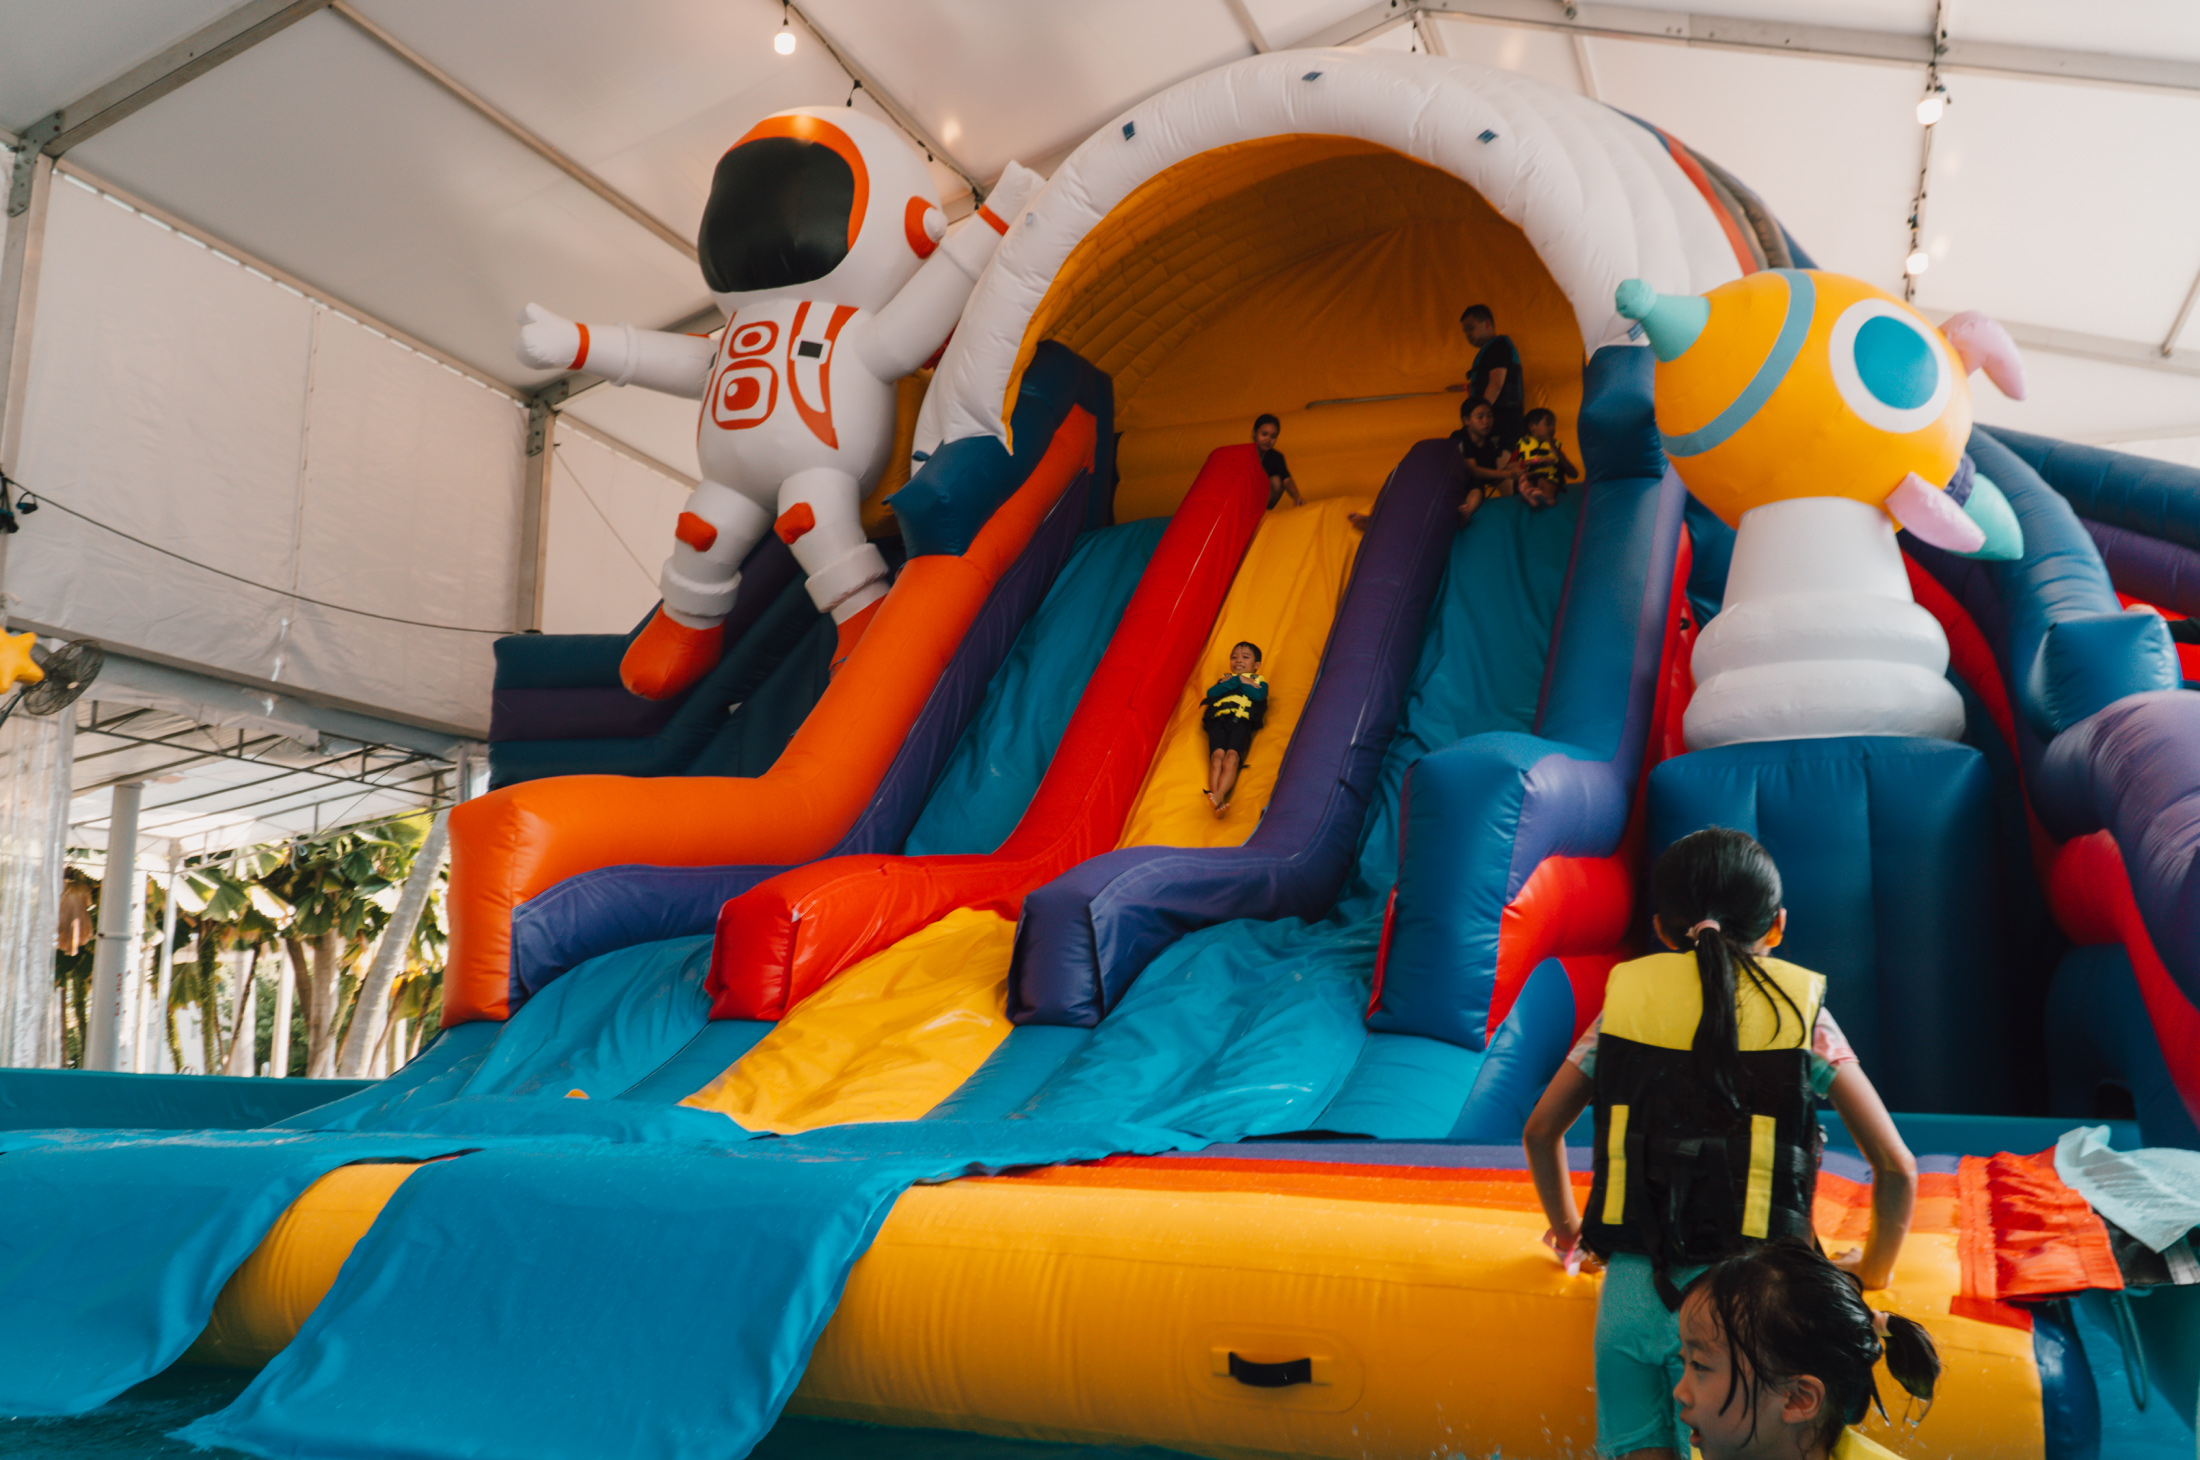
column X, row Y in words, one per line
column 1681, row 1176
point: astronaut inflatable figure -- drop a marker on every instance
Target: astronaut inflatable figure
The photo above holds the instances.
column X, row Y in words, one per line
column 824, row 244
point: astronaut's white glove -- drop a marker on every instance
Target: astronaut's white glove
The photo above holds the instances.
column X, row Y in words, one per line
column 1018, row 185
column 546, row 341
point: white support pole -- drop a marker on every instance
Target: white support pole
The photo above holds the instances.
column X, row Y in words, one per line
column 243, row 1038
column 117, row 938
column 156, row 1040
column 278, row 1049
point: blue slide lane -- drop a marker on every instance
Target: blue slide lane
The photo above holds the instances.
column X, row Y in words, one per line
column 696, row 1280
column 998, row 763
column 113, row 1250
column 1254, row 1028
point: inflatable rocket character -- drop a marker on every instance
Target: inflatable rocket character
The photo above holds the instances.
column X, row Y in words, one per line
column 1815, row 415
column 823, row 244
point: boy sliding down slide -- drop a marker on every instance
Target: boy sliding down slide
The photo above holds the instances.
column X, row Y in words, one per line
column 1236, row 705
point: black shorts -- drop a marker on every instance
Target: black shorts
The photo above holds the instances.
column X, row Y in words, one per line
column 1230, row 734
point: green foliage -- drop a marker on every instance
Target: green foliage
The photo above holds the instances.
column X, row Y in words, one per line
column 346, row 882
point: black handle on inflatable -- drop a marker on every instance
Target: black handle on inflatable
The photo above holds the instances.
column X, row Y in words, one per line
column 1280, row 1375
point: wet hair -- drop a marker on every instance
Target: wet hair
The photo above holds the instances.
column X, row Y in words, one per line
column 1785, row 1311
column 1264, row 419
column 1540, row 413
column 1477, row 311
column 1247, row 644
column 1724, row 876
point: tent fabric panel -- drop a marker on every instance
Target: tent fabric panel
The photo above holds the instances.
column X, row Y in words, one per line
column 610, row 525
column 266, row 450
column 409, row 507
column 165, row 399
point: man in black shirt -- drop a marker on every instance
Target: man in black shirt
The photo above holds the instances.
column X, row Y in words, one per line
column 1495, row 375
column 1265, row 431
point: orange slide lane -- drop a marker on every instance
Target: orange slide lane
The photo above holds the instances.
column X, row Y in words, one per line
column 512, row 844
column 784, row 938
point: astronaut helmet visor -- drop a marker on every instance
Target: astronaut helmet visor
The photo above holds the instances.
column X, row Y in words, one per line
column 779, row 214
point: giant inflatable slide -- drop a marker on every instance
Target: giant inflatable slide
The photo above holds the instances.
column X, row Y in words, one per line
column 903, row 1037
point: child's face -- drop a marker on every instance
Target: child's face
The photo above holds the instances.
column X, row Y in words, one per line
column 1265, row 434
column 1721, row 1427
column 1542, row 429
column 1242, row 662
column 1479, row 419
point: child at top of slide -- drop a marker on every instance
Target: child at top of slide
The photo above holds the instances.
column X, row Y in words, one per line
column 1545, row 468
column 1266, row 429
column 1704, row 1067
column 1491, row 469
column 1777, row 1349
column 1237, row 703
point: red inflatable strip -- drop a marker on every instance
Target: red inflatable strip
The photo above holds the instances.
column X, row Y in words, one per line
column 782, row 940
column 2090, row 892
column 2022, row 1234
column 513, row 843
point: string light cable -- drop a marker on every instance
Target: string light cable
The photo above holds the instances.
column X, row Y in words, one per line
column 26, row 502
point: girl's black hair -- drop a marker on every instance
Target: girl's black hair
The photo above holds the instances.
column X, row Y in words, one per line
column 1785, row 1311
column 1469, row 407
column 1540, row 413
column 1247, row 644
column 1264, row 419
column 1724, row 876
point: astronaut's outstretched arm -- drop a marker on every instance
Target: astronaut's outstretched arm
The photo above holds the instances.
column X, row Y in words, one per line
column 903, row 334
column 622, row 354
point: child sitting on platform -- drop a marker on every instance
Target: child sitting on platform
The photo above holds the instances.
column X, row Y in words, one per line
column 1236, row 705
column 1777, row 1350
column 1491, row 469
column 1545, row 469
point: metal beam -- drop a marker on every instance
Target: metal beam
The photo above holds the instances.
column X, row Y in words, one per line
column 1686, row 28
column 534, row 518
column 900, row 115
column 20, row 256
column 142, row 85
column 513, row 128
column 2078, row 345
column 1253, row 33
column 2184, row 312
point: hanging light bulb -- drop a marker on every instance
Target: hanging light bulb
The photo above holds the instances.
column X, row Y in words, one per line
column 784, row 41
column 1917, row 263
column 1932, row 106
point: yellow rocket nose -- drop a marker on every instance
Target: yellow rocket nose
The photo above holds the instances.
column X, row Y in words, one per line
column 1672, row 321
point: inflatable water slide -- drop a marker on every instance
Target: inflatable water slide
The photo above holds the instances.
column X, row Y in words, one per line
column 948, row 1062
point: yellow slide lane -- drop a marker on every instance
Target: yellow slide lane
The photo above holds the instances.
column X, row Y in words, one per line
column 887, row 1040
column 1284, row 599
column 895, row 1035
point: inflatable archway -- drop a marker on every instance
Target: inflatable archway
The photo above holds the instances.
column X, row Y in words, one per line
column 1315, row 221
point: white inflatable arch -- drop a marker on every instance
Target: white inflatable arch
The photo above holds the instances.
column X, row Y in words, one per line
column 1192, row 197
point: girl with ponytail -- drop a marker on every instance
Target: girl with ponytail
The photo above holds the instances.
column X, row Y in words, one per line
column 1777, row 1350
column 1704, row 1069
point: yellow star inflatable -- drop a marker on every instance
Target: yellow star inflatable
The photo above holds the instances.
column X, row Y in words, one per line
column 16, row 665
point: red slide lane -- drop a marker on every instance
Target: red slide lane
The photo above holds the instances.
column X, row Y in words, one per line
column 783, row 939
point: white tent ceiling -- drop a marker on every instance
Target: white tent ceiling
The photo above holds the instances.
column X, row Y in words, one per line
column 2067, row 208
column 2062, row 195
